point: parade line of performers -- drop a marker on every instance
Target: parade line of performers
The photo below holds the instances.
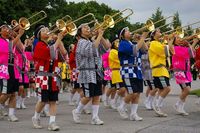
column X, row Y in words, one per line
column 114, row 71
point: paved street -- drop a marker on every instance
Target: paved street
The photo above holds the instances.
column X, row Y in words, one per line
column 113, row 123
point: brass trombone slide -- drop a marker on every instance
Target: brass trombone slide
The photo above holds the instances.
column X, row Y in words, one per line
column 150, row 25
column 25, row 23
column 182, row 27
column 109, row 21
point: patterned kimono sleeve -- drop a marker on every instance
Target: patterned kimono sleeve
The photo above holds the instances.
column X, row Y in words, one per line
column 85, row 48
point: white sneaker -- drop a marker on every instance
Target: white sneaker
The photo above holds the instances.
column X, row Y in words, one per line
column 177, row 108
column 181, row 110
column 18, row 106
column 113, row 106
column 12, row 118
column 122, row 113
column 97, row 121
column 135, row 117
column 61, row 91
column 36, row 123
column 184, row 113
column 71, row 103
column 53, row 127
column 23, row 106
column 86, row 111
column 106, row 104
column 159, row 112
column 76, row 116
column 148, row 105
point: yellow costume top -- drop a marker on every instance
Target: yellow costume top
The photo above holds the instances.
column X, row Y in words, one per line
column 158, row 54
column 114, row 65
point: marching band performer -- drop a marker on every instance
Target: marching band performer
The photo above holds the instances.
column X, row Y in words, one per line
column 117, row 81
column 87, row 59
column 29, row 54
column 47, row 71
column 130, row 61
column 9, row 74
column 107, row 77
column 181, row 67
column 148, row 80
column 74, row 74
column 158, row 53
column 24, row 79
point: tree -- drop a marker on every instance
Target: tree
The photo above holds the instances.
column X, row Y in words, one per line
column 157, row 16
column 176, row 20
column 188, row 31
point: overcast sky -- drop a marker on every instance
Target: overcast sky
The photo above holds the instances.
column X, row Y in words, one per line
column 189, row 10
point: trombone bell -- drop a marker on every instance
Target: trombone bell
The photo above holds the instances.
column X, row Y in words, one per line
column 60, row 24
column 150, row 25
column 109, row 22
column 197, row 32
column 71, row 28
column 24, row 23
column 14, row 23
column 180, row 32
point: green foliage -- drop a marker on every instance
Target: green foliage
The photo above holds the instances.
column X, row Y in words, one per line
column 56, row 9
column 188, row 31
column 176, row 20
column 162, row 24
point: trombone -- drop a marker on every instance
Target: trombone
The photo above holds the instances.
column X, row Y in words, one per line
column 24, row 23
column 180, row 30
column 150, row 25
column 60, row 24
column 67, row 25
column 109, row 22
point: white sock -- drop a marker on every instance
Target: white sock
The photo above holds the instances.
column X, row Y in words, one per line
column 116, row 97
column 123, row 105
column 78, row 99
column 107, row 98
column 104, row 97
column 46, row 108
column 52, row 119
column 148, row 98
column 134, row 108
column 36, row 115
column 18, row 100
column 23, row 99
column 178, row 102
column 160, row 101
column 151, row 98
column 28, row 92
column 71, row 97
column 80, row 107
column 121, row 99
column 95, row 111
column 11, row 111
column 182, row 105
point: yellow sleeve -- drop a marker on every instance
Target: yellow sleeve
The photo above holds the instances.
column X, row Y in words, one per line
column 113, row 56
column 157, row 48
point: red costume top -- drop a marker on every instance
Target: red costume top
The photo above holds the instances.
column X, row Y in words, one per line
column 44, row 56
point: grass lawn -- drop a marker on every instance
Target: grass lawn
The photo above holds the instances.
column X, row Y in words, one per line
column 195, row 92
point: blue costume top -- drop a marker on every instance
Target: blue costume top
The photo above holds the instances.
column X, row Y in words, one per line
column 130, row 60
